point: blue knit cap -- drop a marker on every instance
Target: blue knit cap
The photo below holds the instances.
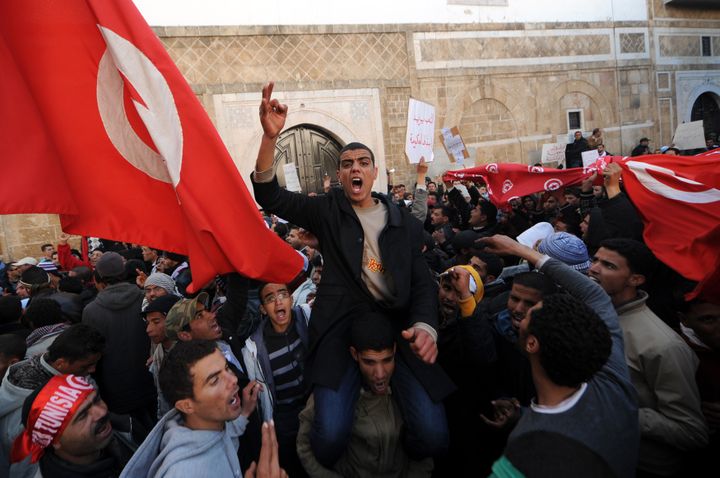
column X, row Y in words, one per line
column 566, row 248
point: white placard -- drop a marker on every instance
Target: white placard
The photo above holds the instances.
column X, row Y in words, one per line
column 553, row 152
column 689, row 135
column 589, row 157
column 454, row 144
column 419, row 138
column 292, row 182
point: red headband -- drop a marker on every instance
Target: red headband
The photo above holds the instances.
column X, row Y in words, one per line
column 50, row 413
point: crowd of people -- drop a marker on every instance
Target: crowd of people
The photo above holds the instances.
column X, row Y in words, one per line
column 429, row 333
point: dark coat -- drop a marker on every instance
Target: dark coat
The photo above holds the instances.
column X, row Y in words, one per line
column 342, row 294
column 124, row 380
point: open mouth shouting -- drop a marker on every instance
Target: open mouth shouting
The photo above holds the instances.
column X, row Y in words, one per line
column 356, row 185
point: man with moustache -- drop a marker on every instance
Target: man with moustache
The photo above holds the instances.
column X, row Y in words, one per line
column 68, row 433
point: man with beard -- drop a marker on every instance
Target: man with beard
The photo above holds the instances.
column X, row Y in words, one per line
column 68, row 432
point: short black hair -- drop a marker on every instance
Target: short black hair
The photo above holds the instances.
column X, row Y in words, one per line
column 639, row 258
column 83, row 273
column 489, row 211
column 43, row 311
column 12, row 346
column 176, row 381
column 45, row 246
column 77, row 342
column 352, row 147
column 494, row 263
column 574, row 342
column 372, row 331
column 10, row 309
column 70, row 284
column 536, row 280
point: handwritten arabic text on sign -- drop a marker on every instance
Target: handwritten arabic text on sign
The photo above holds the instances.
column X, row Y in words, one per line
column 420, row 131
column 553, row 152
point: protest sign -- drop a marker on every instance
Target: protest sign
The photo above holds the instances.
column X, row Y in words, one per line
column 454, row 145
column 292, row 181
column 689, row 135
column 589, row 157
column 553, row 152
column 420, row 131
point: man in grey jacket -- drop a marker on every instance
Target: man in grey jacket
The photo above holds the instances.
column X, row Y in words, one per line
column 200, row 436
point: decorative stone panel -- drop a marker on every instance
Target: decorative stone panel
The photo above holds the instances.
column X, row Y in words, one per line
column 679, row 45
column 632, row 42
column 297, row 58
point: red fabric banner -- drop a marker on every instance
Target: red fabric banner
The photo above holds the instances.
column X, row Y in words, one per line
column 678, row 198
column 506, row 181
column 102, row 102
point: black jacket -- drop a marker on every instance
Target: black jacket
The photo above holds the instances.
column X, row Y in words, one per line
column 342, row 294
column 124, row 380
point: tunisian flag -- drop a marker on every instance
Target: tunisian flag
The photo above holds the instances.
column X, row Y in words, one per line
column 98, row 124
column 678, row 198
column 507, row 181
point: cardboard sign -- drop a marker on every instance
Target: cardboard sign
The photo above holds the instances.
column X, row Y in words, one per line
column 689, row 136
column 420, row 134
column 454, row 145
column 292, row 181
column 589, row 157
column 553, row 152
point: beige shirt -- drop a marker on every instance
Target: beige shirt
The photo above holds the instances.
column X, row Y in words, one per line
column 377, row 279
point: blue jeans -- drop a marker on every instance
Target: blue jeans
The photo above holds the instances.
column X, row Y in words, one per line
column 426, row 431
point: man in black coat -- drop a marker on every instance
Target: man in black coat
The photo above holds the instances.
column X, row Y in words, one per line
column 373, row 262
column 574, row 151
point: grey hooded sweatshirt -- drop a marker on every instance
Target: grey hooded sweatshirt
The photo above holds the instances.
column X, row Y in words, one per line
column 173, row 450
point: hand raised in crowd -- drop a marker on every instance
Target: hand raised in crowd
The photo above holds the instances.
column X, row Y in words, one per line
column 272, row 113
column 268, row 465
column 249, row 397
column 505, row 414
column 326, row 183
column 460, row 281
column 141, row 278
column 422, row 344
column 506, row 246
column 63, row 238
column 612, row 174
column 422, row 168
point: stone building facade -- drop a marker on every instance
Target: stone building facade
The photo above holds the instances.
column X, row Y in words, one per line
column 509, row 87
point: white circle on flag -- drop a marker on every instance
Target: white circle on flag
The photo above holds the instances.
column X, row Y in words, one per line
column 535, row 169
column 492, row 168
column 553, row 184
column 507, row 186
column 159, row 113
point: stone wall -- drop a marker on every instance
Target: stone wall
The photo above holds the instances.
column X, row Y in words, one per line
column 508, row 87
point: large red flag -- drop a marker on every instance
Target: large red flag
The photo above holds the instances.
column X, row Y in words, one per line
column 678, row 198
column 141, row 160
column 506, row 181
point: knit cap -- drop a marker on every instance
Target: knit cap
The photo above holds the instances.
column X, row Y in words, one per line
column 162, row 280
column 568, row 249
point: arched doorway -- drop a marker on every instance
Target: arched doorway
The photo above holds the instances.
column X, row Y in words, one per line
column 706, row 109
column 314, row 152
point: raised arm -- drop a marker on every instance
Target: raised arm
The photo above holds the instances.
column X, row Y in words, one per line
column 578, row 285
column 272, row 118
